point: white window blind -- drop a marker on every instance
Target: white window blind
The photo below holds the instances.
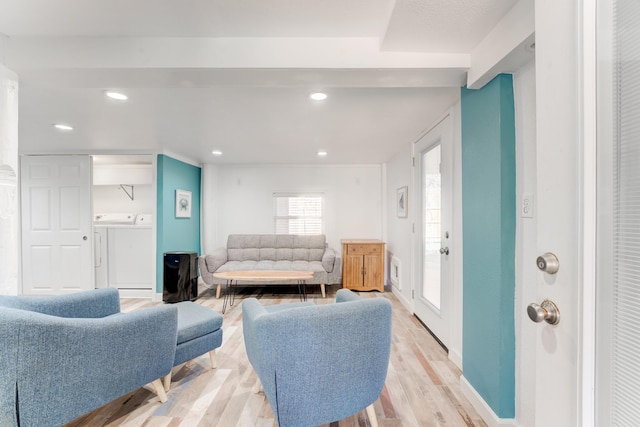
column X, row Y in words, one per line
column 298, row 213
column 625, row 284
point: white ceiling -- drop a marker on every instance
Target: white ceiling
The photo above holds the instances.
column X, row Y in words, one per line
column 235, row 75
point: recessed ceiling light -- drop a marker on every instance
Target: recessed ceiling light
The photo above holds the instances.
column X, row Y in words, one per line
column 322, row 153
column 62, row 127
column 318, row 96
column 216, row 153
column 116, row 95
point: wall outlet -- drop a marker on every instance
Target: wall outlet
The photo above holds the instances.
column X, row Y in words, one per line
column 526, row 209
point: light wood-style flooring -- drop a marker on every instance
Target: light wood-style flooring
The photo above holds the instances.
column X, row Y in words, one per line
column 422, row 387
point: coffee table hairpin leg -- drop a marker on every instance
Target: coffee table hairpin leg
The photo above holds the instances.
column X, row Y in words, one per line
column 229, row 298
column 302, row 290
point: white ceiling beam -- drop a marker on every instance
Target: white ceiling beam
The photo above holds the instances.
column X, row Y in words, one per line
column 184, row 52
column 506, row 48
column 149, row 78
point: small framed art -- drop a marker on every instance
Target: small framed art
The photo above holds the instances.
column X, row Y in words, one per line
column 401, row 202
column 183, row 204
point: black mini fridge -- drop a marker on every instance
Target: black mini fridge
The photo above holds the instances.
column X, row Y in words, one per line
column 180, row 282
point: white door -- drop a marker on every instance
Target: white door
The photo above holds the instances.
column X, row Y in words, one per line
column 432, row 183
column 56, row 224
column 555, row 378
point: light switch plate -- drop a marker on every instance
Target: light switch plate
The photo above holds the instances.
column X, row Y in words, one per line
column 526, row 209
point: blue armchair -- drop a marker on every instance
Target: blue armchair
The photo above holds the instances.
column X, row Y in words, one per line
column 63, row 356
column 319, row 363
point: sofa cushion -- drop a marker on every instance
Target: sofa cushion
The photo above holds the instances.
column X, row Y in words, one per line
column 284, row 254
column 195, row 321
column 267, row 254
column 283, row 265
column 275, row 247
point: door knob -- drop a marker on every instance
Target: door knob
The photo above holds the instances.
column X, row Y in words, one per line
column 546, row 311
column 548, row 263
column 445, row 250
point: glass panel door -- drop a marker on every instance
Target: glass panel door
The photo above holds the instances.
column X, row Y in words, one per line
column 432, row 289
column 431, row 207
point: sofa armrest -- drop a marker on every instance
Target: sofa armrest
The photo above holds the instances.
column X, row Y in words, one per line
column 335, row 276
column 251, row 311
column 209, row 263
column 345, row 295
column 87, row 304
column 329, row 259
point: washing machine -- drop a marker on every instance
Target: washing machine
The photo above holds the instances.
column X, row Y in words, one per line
column 123, row 252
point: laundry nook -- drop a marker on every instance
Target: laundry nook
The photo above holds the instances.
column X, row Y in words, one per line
column 123, row 224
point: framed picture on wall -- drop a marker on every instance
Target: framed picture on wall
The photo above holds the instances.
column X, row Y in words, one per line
column 183, row 204
column 401, row 202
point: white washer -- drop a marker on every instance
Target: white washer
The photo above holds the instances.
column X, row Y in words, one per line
column 100, row 256
column 124, row 257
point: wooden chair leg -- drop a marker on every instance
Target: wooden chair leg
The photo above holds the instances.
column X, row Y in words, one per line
column 166, row 382
column 214, row 361
column 323, row 290
column 157, row 385
column 371, row 412
column 218, row 290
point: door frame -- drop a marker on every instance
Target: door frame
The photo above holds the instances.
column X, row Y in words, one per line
column 574, row 125
column 435, row 319
column 455, row 340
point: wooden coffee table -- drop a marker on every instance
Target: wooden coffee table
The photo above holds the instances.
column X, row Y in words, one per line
column 232, row 278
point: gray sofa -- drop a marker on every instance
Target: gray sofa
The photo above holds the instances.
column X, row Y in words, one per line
column 282, row 252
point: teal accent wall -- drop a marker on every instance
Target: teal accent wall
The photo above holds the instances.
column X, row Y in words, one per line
column 176, row 234
column 489, row 230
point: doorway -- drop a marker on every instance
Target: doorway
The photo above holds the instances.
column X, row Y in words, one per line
column 56, row 224
column 432, row 290
column 123, row 197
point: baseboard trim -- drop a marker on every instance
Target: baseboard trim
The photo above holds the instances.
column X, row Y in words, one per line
column 455, row 357
column 135, row 293
column 483, row 409
column 404, row 301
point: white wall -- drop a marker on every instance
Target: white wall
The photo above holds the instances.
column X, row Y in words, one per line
column 399, row 235
column 209, row 212
column 9, row 209
column 239, row 197
column 112, row 199
column 524, row 85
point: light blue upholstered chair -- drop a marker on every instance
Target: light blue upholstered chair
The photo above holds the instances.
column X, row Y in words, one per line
column 64, row 356
column 319, row 363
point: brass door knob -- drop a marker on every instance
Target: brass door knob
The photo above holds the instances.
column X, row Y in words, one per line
column 546, row 311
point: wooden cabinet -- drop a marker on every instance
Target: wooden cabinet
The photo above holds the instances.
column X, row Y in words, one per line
column 363, row 265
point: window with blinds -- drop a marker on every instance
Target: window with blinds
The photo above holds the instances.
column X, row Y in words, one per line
column 298, row 213
column 618, row 343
